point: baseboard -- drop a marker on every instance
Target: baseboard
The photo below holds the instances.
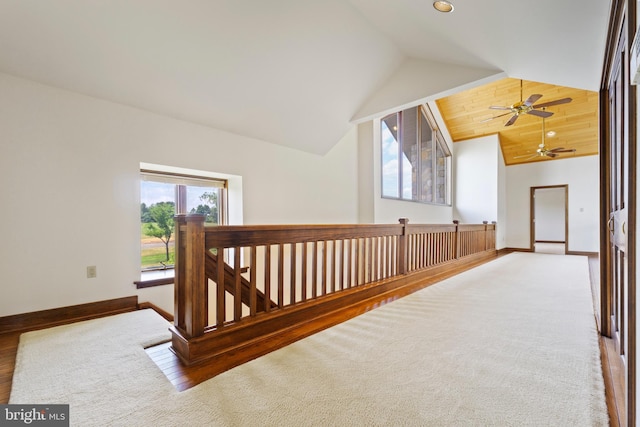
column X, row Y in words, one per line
column 509, row 250
column 584, row 253
column 505, row 251
column 157, row 309
column 64, row 315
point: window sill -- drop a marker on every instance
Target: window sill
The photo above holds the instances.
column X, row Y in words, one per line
column 152, row 278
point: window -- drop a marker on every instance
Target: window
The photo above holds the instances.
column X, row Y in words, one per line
column 163, row 195
column 415, row 158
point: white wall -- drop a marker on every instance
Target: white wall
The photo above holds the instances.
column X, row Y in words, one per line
column 366, row 174
column 502, row 226
column 69, row 185
column 480, row 184
column 476, row 178
column 582, row 176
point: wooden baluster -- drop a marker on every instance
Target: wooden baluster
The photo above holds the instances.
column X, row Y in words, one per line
column 357, row 264
column 452, row 246
column 267, row 278
column 424, row 249
column 415, row 251
column 323, row 279
column 385, row 256
column 376, row 258
column 341, row 266
column 412, row 251
column 394, row 255
column 372, row 259
column 365, row 261
column 253, row 293
column 314, row 270
column 333, row 266
column 292, row 287
column 304, row 272
column 221, row 309
column 349, row 262
column 281, row 275
column 237, row 298
column 434, row 248
column 382, row 260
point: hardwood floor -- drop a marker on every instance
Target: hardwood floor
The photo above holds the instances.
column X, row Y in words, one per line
column 8, row 350
column 183, row 377
column 612, row 368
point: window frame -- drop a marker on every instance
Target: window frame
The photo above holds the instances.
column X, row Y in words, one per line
column 164, row 275
column 437, row 142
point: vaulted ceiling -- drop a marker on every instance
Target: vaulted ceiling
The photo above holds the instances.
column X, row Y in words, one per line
column 573, row 125
column 300, row 73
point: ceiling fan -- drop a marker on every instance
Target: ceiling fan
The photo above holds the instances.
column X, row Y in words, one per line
column 527, row 106
column 543, row 151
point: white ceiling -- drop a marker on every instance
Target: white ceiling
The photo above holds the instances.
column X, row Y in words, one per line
column 290, row 72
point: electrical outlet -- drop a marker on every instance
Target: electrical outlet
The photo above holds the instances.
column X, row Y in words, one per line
column 92, row 271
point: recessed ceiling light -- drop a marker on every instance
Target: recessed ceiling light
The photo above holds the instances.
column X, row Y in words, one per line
column 551, row 133
column 443, row 6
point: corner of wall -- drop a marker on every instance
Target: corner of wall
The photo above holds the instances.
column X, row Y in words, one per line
column 366, row 188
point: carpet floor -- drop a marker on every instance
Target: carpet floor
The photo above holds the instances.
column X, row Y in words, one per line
column 510, row 343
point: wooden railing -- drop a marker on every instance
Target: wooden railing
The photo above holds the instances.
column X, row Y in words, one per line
column 279, row 282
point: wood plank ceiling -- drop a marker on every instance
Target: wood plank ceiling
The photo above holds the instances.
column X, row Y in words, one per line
column 575, row 123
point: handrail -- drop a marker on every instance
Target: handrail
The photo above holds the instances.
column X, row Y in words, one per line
column 270, row 269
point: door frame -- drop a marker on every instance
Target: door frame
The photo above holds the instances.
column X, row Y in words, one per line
column 622, row 24
column 532, row 211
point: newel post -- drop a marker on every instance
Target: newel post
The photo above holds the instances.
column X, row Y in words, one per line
column 402, row 247
column 486, row 235
column 492, row 244
column 456, row 252
column 190, row 280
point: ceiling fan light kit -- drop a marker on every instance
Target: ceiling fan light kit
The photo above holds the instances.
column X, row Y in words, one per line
column 443, row 6
column 543, row 151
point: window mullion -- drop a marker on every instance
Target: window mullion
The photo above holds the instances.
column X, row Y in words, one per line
column 434, row 166
column 400, row 152
column 181, row 199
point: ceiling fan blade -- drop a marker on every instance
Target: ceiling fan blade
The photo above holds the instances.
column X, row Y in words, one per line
column 539, row 113
column 549, row 154
column 533, row 98
column 528, row 156
column 497, row 107
column 562, row 150
column 556, row 102
column 494, row 117
column 512, row 120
